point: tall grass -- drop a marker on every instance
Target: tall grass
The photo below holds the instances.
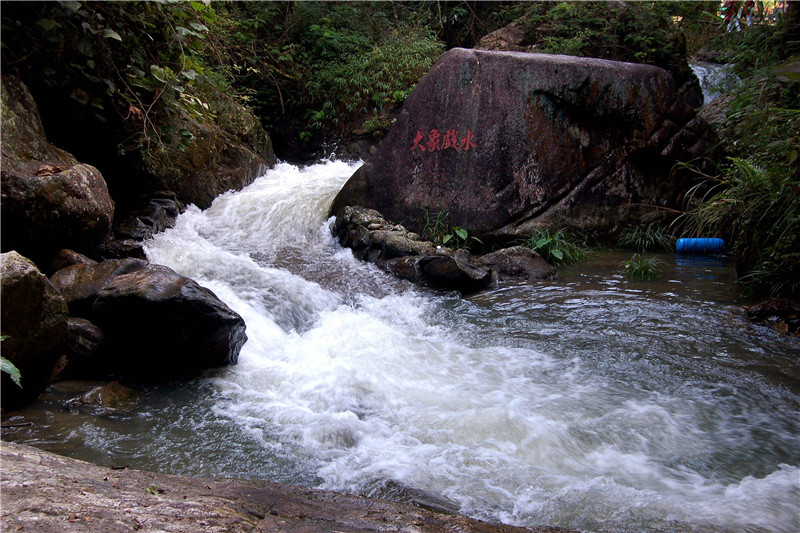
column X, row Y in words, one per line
column 652, row 237
column 759, row 211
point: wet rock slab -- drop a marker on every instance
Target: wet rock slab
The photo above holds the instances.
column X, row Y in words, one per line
column 406, row 255
column 45, row 492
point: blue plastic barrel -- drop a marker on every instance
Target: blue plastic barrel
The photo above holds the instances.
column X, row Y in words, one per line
column 703, row 245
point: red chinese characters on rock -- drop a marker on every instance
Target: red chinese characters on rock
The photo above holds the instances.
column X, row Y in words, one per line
column 437, row 142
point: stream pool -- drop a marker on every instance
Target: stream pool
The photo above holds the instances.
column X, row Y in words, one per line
column 590, row 402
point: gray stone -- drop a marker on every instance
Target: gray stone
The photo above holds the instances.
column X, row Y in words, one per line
column 517, row 262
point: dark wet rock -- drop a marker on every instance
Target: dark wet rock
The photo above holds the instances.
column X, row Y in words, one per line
column 507, row 141
column 370, row 235
column 155, row 323
column 394, row 249
column 34, row 319
column 66, row 258
column 782, row 314
column 81, row 283
column 159, row 324
column 445, row 272
column 109, row 395
column 50, row 200
column 83, row 355
column 517, row 262
column 47, row 492
column 152, row 215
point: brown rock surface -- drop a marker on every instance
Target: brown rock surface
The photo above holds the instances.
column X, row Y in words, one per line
column 46, row 493
column 50, row 200
column 34, row 320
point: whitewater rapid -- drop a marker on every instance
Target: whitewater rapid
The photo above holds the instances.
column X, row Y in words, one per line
column 351, row 379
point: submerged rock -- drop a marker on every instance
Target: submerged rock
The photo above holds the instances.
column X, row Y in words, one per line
column 781, row 314
column 508, row 141
column 34, row 322
column 110, row 396
column 50, row 200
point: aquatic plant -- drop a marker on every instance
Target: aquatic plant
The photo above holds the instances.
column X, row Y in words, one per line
column 437, row 229
column 642, row 268
column 556, row 247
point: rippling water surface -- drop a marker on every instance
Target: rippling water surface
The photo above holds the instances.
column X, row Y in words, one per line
column 590, row 402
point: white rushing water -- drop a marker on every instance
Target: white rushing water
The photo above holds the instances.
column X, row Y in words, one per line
column 351, row 379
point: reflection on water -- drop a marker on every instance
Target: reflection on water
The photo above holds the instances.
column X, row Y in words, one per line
column 591, row 402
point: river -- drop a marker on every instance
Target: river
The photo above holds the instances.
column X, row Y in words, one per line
column 590, row 402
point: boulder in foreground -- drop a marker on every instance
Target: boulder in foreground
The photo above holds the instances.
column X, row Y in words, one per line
column 508, row 141
column 48, row 493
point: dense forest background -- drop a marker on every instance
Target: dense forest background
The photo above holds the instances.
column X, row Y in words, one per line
column 109, row 77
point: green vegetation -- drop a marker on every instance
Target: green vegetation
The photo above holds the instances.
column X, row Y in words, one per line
column 642, row 268
column 652, row 237
column 9, row 368
column 438, row 230
column 556, row 247
column 759, row 211
column 753, row 199
column 130, row 63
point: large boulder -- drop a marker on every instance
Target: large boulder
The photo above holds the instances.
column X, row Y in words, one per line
column 81, row 283
column 50, row 200
column 508, row 141
column 155, row 323
column 34, row 324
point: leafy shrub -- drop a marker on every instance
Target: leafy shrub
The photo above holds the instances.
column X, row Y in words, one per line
column 556, row 247
column 365, row 83
column 642, row 268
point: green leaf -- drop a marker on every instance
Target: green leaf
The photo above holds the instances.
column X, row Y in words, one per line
column 446, row 238
column 158, row 73
column 199, row 27
column 48, row 24
column 197, row 6
column 108, row 33
column 461, row 232
column 542, row 242
column 558, row 254
column 9, row 368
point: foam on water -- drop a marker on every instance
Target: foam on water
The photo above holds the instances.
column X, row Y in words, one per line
column 358, row 379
